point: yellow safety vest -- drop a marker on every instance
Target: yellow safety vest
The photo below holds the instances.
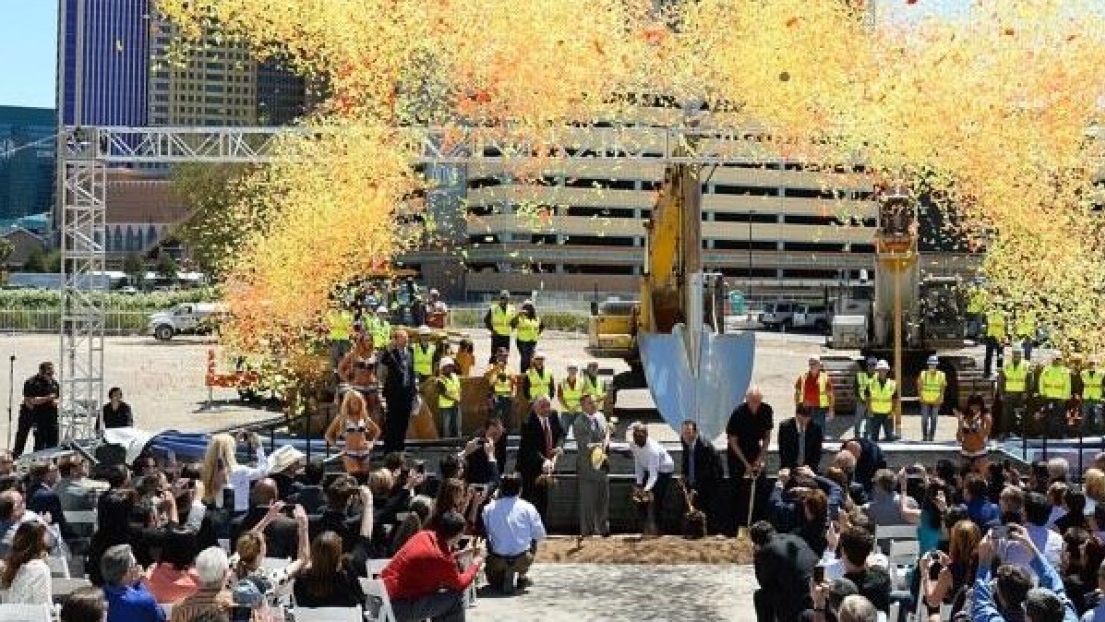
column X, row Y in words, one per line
column 995, row 325
column 341, row 324
column 822, row 385
column 1025, row 325
column 424, row 359
column 595, row 388
column 539, row 383
column 976, row 302
column 932, row 386
column 882, row 396
column 863, row 380
column 571, row 395
column 1055, row 382
column 527, row 329
column 449, row 394
column 1091, row 384
column 501, row 318
column 381, row 332
column 1016, row 377
column 502, row 388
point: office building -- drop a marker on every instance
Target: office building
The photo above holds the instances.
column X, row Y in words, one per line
column 281, row 95
column 27, row 149
column 103, row 62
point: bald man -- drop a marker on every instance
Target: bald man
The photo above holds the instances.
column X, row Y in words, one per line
column 748, row 433
column 281, row 535
column 538, row 450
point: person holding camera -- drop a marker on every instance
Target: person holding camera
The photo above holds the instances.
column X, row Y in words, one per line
column 485, row 455
column 424, row 580
column 1046, row 603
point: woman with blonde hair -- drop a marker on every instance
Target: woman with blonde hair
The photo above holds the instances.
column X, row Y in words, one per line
column 250, row 550
column 954, row 570
column 357, row 372
column 221, row 471
column 1094, row 485
column 359, row 431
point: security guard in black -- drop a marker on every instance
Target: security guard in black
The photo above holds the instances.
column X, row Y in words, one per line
column 39, row 410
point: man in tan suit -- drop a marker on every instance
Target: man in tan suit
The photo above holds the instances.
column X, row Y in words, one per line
column 592, row 469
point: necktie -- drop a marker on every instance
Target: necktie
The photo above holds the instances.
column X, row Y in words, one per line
column 548, row 437
column 801, row 446
column 690, row 464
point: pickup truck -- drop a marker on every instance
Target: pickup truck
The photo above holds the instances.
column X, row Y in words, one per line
column 778, row 314
column 812, row 317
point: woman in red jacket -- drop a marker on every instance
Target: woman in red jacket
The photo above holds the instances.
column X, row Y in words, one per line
column 423, row 579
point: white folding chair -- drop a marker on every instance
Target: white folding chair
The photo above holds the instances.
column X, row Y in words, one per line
column 895, row 607
column 59, row 567
column 168, row 609
column 902, row 557
column 330, row 614
column 378, row 601
column 80, row 517
column 275, row 563
column 25, row 613
column 375, row 566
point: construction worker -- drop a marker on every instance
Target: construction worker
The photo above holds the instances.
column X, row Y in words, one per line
column 502, row 385
column 881, row 391
column 425, row 354
column 1091, row 397
column 1013, row 390
column 930, row 386
column 528, row 328
column 339, row 322
column 995, row 340
column 593, row 385
column 976, row 306
column 499, row 319
column 570, row 393
column 448, row 399
column 1024, row 329
column 863, row 378
column 379, row 326
column 814, row 389
column 1055, row 388
column 538, row 382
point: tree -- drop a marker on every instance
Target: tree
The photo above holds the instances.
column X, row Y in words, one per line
column 218, row 217
column 6, row 250
column 167, row 268
column 36, row 260
column 135, row 269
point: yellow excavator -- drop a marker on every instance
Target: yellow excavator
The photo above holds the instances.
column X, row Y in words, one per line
column 673, row 337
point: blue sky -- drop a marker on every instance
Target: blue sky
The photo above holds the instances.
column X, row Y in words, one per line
column 28, row 44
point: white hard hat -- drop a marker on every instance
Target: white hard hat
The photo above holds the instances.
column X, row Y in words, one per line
column 446, row 361
column 814, row 358
column 538, row 355
column 424, row 330
column 573, row 365
column 439, row 306
column 882, row 365
column 933, row 360
column 434, row 292
column 381, row 309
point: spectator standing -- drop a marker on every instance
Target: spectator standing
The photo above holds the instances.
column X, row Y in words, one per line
column 514, row 528
column 749, row 433
column 814, row 389
column 449, row 399
column 116, row 412
column 400, row 391
column 528, row 328
column 499, row 319
column 39, row 410
column 1012, row 388
column 652, row 471
column 784, row 567
column 128, row 600
column 25, row 575
column 221, row 471
column 423, row 579
column 592, row 470
column 800, row 441
column 540, row 445
column 931, row 385
column 702, row 473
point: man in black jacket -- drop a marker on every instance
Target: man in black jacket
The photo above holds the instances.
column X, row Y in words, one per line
column 869, row 458
column 702, row 472
column 485, row 455
column 537, row 450
column 281, row 535
column 800, row 441
column 784, row 565
column 400, row 390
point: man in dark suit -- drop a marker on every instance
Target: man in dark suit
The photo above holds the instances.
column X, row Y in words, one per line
column 281, row 535
column 485, row 454
column 538, row 448
column 702, row 472
column 869, row 459
column 400, row 390
column 784, row 565
column 800, row 441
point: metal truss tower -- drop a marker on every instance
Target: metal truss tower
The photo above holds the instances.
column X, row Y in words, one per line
column 88, row 152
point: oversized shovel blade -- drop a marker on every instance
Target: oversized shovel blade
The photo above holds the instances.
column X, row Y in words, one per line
column 724, row 372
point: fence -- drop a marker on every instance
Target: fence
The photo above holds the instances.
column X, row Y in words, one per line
column 49, row 321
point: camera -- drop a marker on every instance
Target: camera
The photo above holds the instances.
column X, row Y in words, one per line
column 420, row 466
column 818, row 574
column 481, row 441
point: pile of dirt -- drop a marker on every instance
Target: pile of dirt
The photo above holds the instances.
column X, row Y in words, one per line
column 637, row 550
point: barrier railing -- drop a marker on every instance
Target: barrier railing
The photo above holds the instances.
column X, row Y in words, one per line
column 49, row 320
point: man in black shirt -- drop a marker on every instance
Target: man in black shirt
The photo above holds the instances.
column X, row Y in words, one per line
column 485, row 455
column 784, row 566
column 39, row 410
column 117, row 413
column 749, row 432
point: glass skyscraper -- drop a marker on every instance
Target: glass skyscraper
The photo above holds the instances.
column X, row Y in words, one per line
column 26, row 161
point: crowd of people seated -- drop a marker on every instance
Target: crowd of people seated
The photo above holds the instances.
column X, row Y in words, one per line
column 225, row 539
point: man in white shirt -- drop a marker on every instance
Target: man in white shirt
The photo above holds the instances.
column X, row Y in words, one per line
column 513, row 530
column 1037, row 510
column 652, row 470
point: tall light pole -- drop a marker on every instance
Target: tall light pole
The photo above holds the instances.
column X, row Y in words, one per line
column 751, row 213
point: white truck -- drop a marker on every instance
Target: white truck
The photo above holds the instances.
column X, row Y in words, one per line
column 815, row 317
column 185, row 318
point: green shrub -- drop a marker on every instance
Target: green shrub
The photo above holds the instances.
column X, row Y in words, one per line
column 115, row 301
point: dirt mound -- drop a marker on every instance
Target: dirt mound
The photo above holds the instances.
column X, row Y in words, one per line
column 635, row 550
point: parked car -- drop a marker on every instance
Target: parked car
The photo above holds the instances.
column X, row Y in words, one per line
column 778, row 314
column 185, row 318
column 813, row 317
